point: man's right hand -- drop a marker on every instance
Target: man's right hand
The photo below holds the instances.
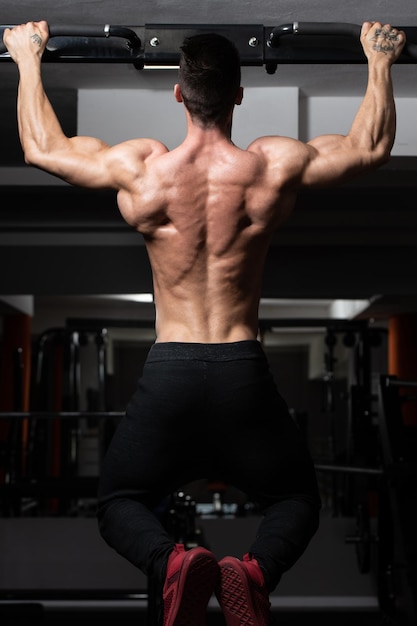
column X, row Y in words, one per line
column 27, row 40
column 382, row 41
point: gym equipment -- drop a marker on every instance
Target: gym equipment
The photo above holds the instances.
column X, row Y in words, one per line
column 349, row 409
column 390, row 550
column 158, row 44
column 397, row 519
column 383, row 457
column 45, row 488
column 64, row 443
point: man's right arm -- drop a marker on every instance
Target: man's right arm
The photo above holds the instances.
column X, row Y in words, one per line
column 333, row 159
column 43, row 142
column 82, row 161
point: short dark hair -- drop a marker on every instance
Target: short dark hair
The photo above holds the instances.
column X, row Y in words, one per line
column 209, row 77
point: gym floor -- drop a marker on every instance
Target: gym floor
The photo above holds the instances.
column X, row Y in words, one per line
column 325, row 586
column 33, row 615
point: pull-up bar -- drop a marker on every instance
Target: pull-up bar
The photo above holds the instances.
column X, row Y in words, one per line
column 158, row 44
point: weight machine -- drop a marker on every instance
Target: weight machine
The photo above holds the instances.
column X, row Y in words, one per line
column 397, row 518
column 389, row 548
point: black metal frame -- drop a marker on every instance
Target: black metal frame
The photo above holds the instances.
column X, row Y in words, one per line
column 258, row 45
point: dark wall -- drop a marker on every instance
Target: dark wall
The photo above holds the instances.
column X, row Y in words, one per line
column 354, row 241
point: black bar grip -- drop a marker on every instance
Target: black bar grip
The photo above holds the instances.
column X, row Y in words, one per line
column 327, row 28
column 77, row 30
column 83, row 30
column 313, row 28
column 411, row 50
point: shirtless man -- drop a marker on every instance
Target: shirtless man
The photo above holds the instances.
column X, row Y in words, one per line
column 206, row 405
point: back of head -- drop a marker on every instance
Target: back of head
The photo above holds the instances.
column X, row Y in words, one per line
column 209, row 77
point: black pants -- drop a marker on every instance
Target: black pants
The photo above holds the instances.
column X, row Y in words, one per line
column 208, row 411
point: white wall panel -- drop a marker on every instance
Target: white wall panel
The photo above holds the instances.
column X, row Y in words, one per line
column 117, row 115
column 335, row 115
column 266, row 111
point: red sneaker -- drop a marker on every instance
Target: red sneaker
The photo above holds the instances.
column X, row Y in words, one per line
column 190, row 580
column 242, row 593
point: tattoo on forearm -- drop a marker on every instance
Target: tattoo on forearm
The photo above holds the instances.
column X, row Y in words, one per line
column 388, row 38
column 36, row 39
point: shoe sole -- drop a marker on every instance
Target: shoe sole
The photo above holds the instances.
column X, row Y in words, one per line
column 198, row 577
column 234, row 594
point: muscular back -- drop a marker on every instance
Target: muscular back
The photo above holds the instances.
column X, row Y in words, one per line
column 207, row 212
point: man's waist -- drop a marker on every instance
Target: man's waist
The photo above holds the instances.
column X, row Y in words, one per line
column 225, row 351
